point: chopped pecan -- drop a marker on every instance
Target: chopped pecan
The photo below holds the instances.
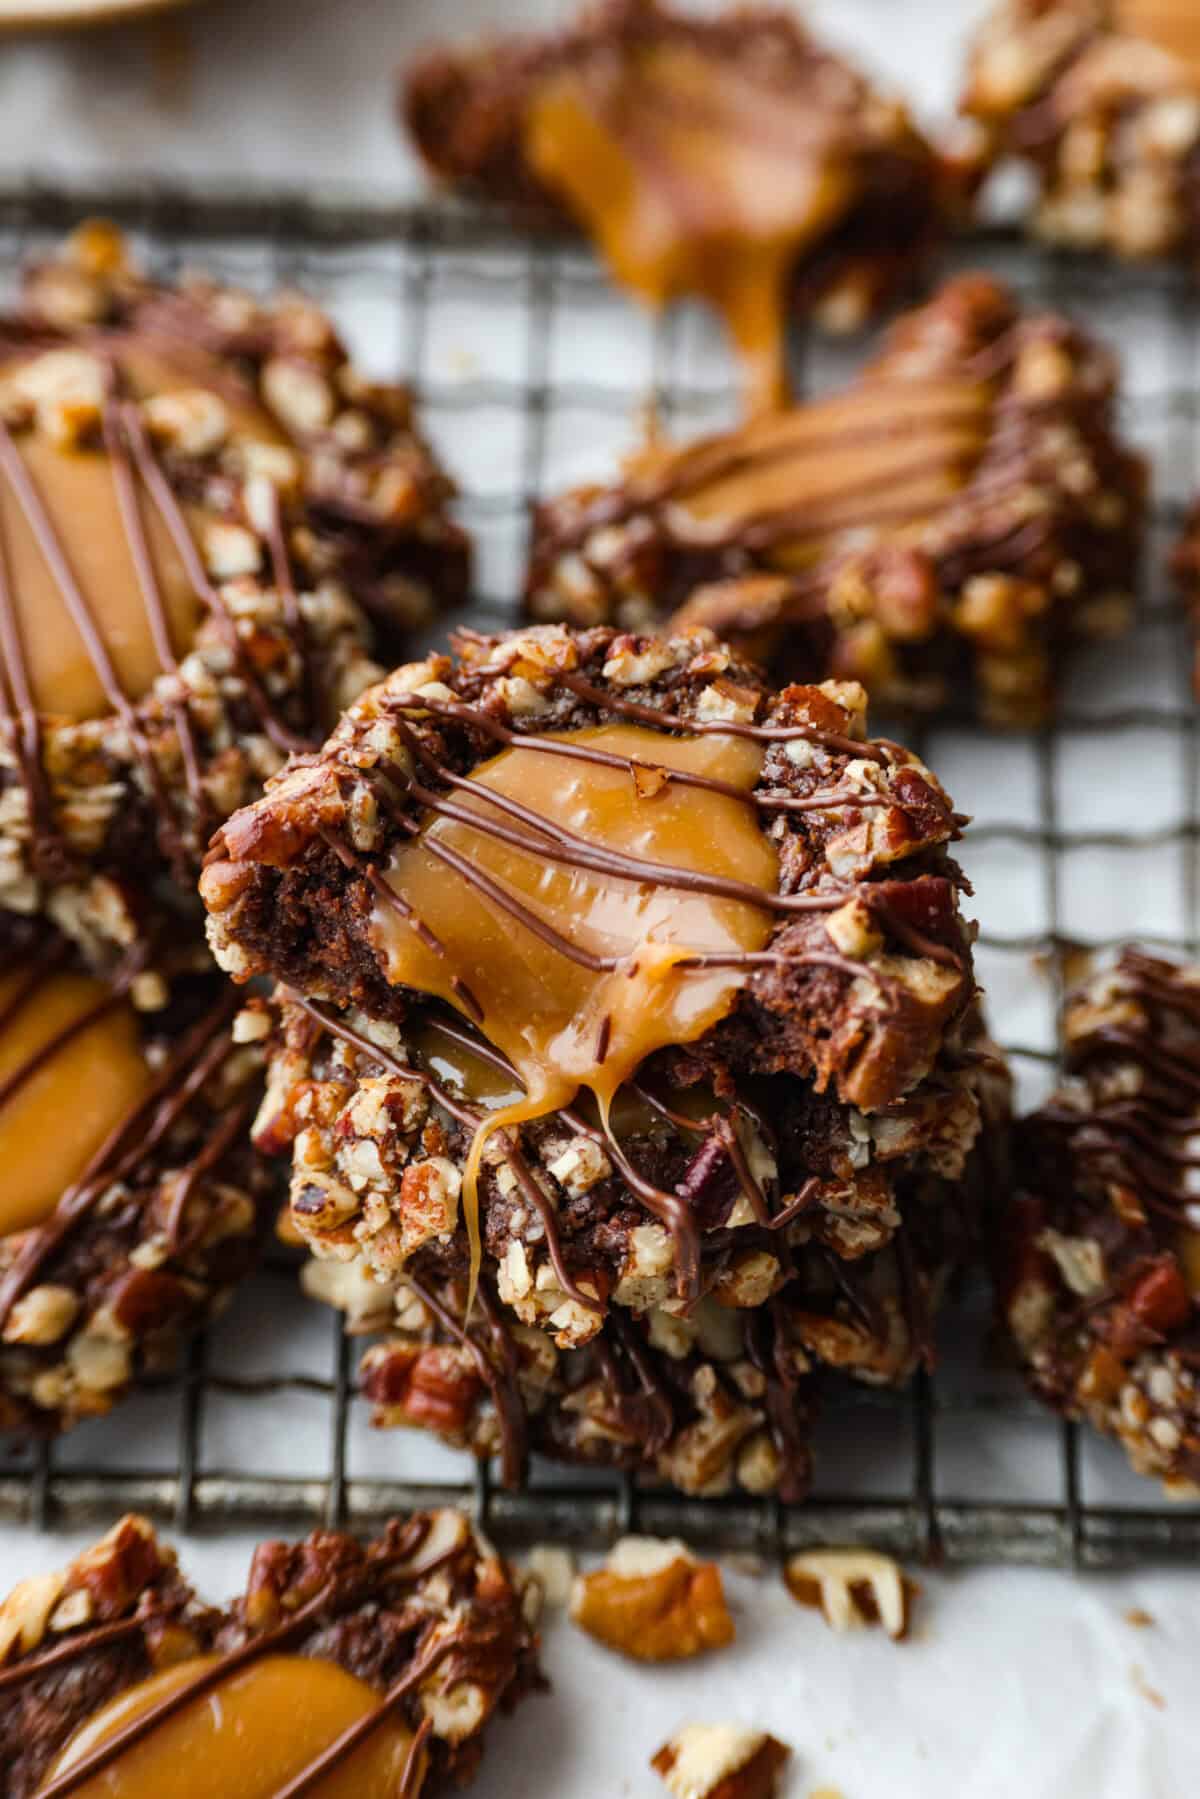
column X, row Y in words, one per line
column 720, row 1761
column 437, row 1387
column 852, row 1588
column 654, row 1602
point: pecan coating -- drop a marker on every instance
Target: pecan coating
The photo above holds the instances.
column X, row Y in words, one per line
column 707, row 1399
column 1100, row 101
column 1099, row 1270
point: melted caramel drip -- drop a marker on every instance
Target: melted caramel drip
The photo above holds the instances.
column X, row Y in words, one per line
column 78, row 491
column 881, row 454
column 584, row 1006
column 53, row 1121
column 246, row 1739
column 695, row 179
column 1173, row 25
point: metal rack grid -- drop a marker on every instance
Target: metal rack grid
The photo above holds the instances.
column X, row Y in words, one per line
column 417, row 265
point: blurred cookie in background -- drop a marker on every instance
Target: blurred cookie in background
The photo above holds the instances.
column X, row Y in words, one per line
column 1099, row 100
column 211, row 525
column 732, row 157
column 945, row 529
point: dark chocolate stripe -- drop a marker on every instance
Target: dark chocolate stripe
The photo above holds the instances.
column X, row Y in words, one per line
column 806, row 959
column 228, row 1133
column 469, row 1116
column 361, row 1731
column 171, row 513
column 554, row 746
column 48, row 958
column 578, row 852
column 69, row 1651
column 532, row 1191
column 392, row 895
column 1136, row 1131
column 607, row 701
column 337, row 1027
column 49, row 853
column 502, row 1384
column 507, row 902
column 583, row 752
column 55, row 1045
column 152, row 599
column 281, row 570
column 726, row 1134
column 726, row 457
column 671, row 1210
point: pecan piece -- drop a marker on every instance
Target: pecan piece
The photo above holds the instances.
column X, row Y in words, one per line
column 852, row 1588
column 653, row 1602
column 720, row 1761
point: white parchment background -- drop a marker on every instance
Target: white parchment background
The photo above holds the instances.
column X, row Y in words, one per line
column 1018, row 1683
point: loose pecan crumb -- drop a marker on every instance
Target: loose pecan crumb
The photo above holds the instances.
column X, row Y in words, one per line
column 653, row 1602
column 720, row 1761
column 852, row 1588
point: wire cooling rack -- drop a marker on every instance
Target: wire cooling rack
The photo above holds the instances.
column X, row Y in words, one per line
column 531, row 373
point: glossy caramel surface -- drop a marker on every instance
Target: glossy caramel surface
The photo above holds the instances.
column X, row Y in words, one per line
column 86, row 1081
column 246, row 1738
column 563, row 1025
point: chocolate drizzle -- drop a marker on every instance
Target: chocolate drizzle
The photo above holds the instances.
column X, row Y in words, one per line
column 663, row 493
column 58, row 562
column 498, row 1374
column 339, row 1594
column 163, row 496
column 1137, row 1135
column 603, row 701
column 23, row 728
column 411, row 794
column 69, row 1651
column 134, row 466
column 117, row 423
column 556, row 843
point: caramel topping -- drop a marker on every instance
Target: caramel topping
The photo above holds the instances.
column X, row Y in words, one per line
column 695, row 179
column 61, row 1094
column 1173, row 25
column 576, row 973
column 77, row 490
column 883, row 453
column 248, row 1738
